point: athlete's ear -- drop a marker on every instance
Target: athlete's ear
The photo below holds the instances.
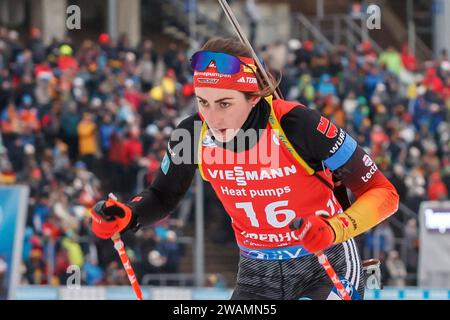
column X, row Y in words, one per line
column 254, row 100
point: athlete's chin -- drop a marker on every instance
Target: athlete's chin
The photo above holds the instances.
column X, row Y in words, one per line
column 224, row 136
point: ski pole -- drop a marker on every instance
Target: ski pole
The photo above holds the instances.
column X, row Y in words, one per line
column 323, row 260
column 120, row 248
column 325, row 263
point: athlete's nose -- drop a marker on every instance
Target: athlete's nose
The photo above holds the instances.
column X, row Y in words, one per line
column 216, row 122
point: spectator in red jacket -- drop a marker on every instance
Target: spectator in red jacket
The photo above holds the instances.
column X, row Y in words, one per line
column 132, row 152
column 437, row 189
column 132, row 147
column 432, row 81
column 408, row 59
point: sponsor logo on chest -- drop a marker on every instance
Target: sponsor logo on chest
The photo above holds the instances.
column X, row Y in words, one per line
column 242, row 176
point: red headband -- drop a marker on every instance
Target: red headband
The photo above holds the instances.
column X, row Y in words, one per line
column 245, row 80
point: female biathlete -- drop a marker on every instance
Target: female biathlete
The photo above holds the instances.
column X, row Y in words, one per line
column 270, row 163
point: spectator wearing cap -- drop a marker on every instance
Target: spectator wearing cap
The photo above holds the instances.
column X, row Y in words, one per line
column 66, row 60
column 36, row 45
column 304, row 53
column 29, row 116
column 104, row 39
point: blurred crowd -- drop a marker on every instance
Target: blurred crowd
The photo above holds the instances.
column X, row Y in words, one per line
column 79, row 120
column 398, row 109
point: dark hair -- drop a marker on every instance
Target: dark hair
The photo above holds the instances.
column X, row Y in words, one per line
column 236, row 48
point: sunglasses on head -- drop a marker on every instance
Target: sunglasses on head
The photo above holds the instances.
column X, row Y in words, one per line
column 225, row 63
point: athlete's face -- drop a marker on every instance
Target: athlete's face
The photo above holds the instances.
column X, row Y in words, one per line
column 224, row 110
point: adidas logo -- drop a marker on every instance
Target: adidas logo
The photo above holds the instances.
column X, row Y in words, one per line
column 241, row 80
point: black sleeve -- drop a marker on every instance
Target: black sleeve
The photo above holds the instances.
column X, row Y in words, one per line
column 317, row 139
column 174, row 178
column 313, row 136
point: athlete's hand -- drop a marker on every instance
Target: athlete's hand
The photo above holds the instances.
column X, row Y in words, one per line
column 314, row 232
column 110, row 217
